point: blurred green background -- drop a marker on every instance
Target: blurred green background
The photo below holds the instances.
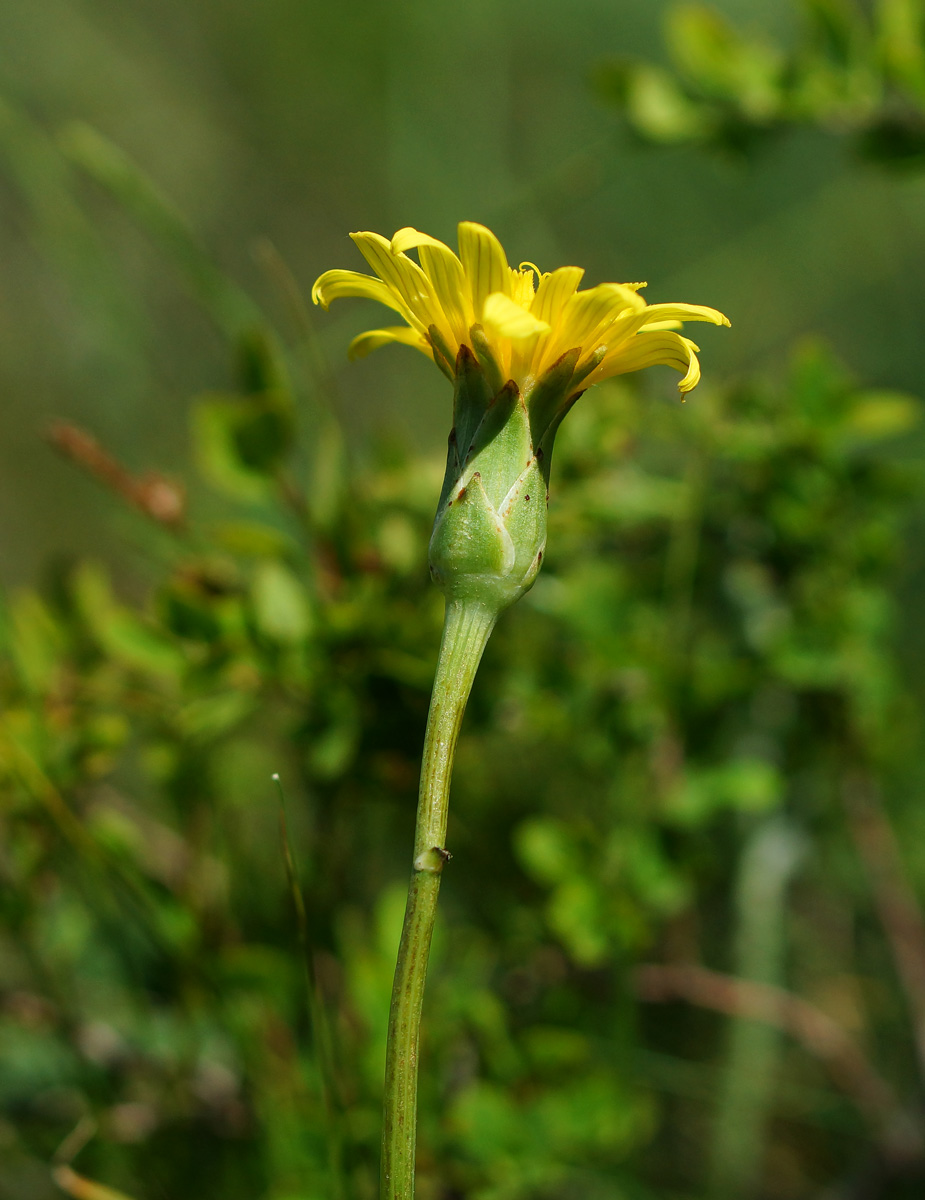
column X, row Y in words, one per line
column 690, row 773
column 298, row 123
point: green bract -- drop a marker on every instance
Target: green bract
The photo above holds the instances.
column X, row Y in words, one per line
column 490, row 530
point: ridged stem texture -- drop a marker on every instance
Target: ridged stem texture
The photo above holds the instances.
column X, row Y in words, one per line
column 466, row 631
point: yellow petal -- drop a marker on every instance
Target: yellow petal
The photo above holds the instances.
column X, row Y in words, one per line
column 334, row 284
column 503, row 317
column 516, row 331
column 656, row 313
column 445, row 272
column 366, row 343
column 523, row 287
column 555, row 289
column 410, row 238
column 484, row 263
column 653, row 348
column 587, row 314
column 404, row 277
column 659, row 317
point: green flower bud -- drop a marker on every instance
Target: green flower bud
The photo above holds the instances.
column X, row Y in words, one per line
column 490, row 530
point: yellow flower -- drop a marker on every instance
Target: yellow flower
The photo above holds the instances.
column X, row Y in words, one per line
column 518, row 322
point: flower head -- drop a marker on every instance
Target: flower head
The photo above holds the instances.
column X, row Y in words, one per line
column 520, row 346
column 518, row 322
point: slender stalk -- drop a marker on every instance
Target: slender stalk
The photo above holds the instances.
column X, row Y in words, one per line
column 466, row 631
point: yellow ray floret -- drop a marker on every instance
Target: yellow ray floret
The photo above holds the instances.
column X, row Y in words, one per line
column 527, row 319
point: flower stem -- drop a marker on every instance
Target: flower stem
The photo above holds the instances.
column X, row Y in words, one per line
column 467, row 628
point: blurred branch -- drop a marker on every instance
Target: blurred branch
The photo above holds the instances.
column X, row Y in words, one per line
column 810, row 1026
column 321, row 1027
column 899, row 909
column 67, row 1179
column 770, row 858
column 81, row 1188
column 229, row 305
column 277, row 271
column 23, row 768
column 161, row 499
column 318, row 505
column 109, row 868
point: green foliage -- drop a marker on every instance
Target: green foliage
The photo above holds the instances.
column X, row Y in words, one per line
column 710, row 653
column 849, row 72
column 708, row 644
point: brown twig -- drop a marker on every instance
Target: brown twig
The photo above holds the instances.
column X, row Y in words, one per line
column 161, row 499
column 67, row 1179
column 803, row 1021
column 82, row 1188
column 900, row 912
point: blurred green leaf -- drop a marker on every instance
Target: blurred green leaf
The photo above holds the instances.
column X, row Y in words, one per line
column 334, row 734
column 213, row 716
column 281, row 607
column 126, row 636
column 545, row 848
column 902, row 43
column 749, row 785
column 721, row 63
column 732, row 90
column 240, row 444
column 883, row 414
column 251, row 539
column 658, row 108
column 36, row 641
column 839, row 28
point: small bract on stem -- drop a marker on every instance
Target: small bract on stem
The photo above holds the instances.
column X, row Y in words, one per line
column 520, row 347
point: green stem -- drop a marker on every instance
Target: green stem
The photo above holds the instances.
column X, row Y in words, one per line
column 466, row 631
